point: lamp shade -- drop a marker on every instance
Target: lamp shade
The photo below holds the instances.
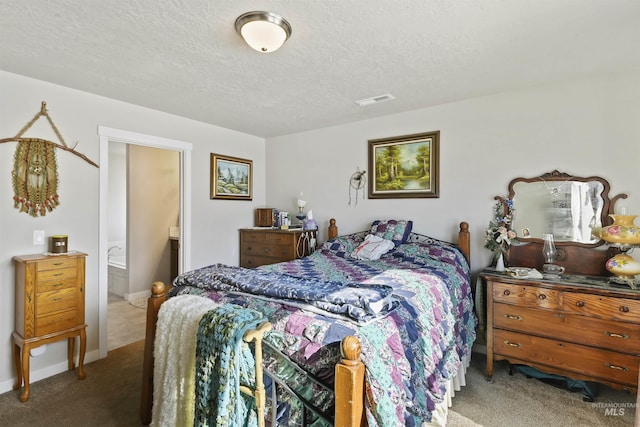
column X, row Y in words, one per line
column 263, row 31
column 622, row 231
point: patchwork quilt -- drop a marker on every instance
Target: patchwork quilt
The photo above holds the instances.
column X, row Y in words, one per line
column 411, row 309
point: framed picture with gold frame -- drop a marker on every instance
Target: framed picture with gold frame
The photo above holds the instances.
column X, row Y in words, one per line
column 404, row 166
column 231, row 178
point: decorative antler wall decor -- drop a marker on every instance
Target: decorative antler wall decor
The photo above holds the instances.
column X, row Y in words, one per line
column 35, row 171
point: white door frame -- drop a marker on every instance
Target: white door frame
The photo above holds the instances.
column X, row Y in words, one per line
column 184, row 263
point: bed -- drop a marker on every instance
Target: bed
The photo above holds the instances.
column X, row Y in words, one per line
column 393, row 357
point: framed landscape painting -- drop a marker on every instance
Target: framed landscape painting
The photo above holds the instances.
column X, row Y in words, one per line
column 231, row 178
column 404, row 166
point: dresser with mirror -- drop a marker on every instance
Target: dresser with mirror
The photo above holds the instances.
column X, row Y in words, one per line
column 579, row 324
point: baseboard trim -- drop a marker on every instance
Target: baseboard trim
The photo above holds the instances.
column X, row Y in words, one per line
column 48, row 371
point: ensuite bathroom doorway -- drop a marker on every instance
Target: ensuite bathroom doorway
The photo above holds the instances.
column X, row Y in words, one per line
column 144, row 193
column 143, row 217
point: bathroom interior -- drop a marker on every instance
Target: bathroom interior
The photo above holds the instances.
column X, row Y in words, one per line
column 143, row 224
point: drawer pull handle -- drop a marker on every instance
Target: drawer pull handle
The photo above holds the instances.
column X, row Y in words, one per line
column 542, row 297
column 512, row 344
column 624, row 309
column 57, row 299
column 506, row 292
column 580, row 303
column 619, row 368
column 58, row 274
column 512, row 317
column 266, row 250
column 56, row 284
column 57, row 263
column 614, row 335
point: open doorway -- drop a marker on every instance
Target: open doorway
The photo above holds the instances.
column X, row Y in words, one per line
column 145, row 251
column 143, row 219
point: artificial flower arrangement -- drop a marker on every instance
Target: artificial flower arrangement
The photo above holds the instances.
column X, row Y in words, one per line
column 499, row 234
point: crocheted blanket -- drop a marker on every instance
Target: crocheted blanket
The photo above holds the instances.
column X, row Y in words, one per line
column 224, row 362
column 174, row 359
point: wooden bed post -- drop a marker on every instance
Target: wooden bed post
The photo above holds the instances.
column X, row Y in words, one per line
column 332, row 232
column 349, row 385
column 464, row 240
column 158, row 296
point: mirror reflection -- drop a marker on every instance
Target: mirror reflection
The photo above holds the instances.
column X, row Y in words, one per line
column 569, row 210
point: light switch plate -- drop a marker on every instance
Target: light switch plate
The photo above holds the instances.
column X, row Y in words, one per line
column 38, row 237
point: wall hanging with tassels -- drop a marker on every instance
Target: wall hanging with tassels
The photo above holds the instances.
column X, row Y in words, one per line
column 35, row 170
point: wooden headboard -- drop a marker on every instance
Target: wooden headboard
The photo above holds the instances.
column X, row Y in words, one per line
column 464, row 237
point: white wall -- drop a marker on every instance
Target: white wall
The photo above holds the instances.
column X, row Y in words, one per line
column 117, row 206
column 587, row 126
column 77, row 116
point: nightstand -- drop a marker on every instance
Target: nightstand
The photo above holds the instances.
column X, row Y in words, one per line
column 49, row 307
column 577, row 326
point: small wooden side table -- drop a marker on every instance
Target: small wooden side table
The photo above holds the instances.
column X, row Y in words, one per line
column 49, row 307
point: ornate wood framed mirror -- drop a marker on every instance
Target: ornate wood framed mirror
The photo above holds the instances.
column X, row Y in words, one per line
column 571, row 208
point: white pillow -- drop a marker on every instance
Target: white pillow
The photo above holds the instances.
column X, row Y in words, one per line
column 372, row 248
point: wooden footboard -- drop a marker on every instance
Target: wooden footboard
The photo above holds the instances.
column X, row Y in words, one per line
column 349, row 382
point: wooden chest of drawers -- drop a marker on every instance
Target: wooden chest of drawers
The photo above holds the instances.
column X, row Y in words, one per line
column 584, row 331
column 269, row 246
column 49, row 307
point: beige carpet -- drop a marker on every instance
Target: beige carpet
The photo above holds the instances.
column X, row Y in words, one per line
column 457, row 420
column 108, row 397
column 515, row 400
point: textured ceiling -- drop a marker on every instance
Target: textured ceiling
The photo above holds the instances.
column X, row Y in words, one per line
column 184, row 56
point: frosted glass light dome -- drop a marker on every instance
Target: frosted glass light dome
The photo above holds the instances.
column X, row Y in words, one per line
column 263, row 31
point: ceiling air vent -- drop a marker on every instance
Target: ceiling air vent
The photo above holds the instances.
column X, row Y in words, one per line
column 374, row 100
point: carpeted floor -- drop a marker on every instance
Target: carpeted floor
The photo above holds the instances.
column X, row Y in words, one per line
column 110, row 396
column 515, row 400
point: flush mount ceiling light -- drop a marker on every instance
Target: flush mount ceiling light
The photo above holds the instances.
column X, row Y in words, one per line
column 263, row 31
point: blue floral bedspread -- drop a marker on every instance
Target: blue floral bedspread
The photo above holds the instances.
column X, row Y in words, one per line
column 410, row 352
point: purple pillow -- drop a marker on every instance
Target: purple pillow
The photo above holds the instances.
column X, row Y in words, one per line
column 392, row 229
